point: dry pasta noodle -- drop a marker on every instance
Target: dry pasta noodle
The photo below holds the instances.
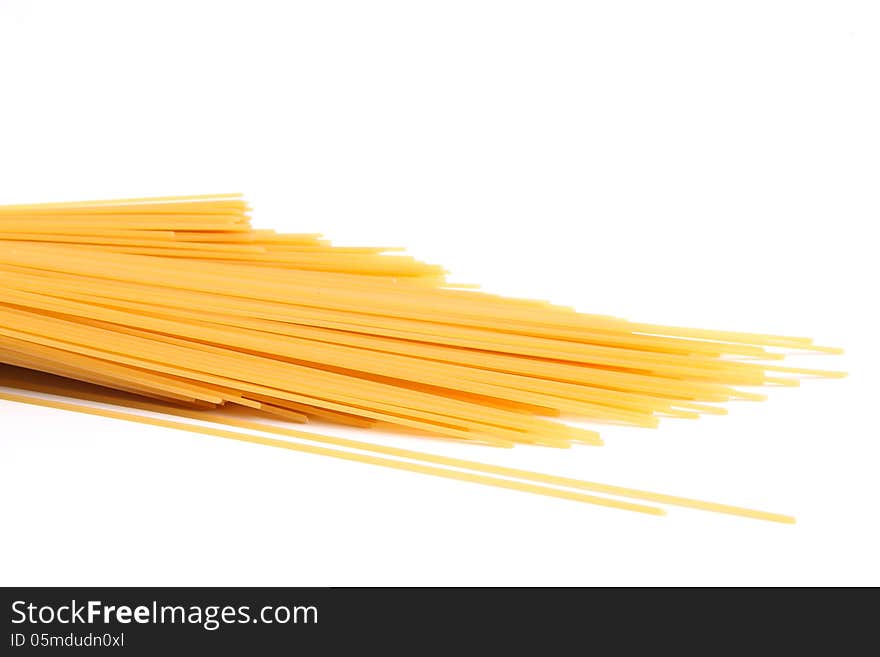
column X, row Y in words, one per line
column 181, row 300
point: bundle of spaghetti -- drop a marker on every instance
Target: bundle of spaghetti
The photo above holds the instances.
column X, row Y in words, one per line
column 292, row 326
column 177, row 307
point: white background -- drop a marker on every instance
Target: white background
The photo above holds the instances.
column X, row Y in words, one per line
column 708, row 164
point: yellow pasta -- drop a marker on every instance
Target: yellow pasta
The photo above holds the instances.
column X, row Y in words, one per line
column 181, row 300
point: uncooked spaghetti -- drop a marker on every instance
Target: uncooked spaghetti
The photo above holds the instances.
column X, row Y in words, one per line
column 180, row 300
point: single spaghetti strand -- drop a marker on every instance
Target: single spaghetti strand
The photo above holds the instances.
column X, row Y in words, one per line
column 155, row 200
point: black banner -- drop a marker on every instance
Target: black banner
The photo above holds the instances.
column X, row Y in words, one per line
column 335, row 621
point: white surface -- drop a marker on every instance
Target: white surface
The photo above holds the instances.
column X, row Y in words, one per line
column 706, row 164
